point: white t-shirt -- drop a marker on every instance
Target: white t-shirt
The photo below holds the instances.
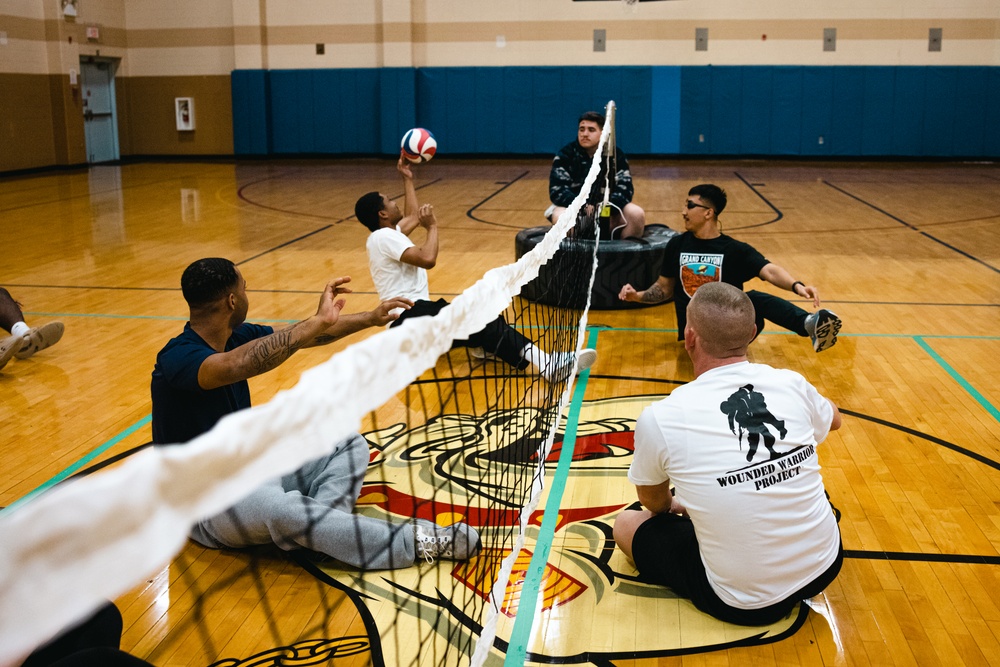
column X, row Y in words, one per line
column 765, row 528
column 392, row 277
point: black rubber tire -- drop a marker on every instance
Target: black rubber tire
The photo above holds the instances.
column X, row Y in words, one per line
column 633, row 261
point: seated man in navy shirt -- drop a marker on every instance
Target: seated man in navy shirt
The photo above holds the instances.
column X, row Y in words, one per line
column 201, row 376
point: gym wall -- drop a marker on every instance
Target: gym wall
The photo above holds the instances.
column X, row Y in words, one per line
column 763, row 86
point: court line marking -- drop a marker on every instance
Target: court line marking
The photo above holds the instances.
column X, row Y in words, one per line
column 470, row 212
column 78, row 464
column 525, row 619
column 957, row 377
column 602, row 327
column 753, row 188
column 912, row 226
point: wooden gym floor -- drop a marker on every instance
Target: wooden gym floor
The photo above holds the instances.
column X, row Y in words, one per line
column 907, row 254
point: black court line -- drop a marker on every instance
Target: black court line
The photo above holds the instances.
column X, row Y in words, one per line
column 336, row 221
column 914, row 228
column 286, row 243
column 922, row 558
column 753, row 188
column 469, row 213
column 918, row 434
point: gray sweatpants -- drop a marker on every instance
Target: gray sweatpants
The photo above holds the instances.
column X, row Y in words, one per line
column 312, row 508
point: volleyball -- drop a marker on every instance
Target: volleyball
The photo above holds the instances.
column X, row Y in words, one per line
column 418, row 145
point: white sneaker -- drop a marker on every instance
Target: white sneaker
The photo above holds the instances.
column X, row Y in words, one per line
column 9, row 346
column 458, row 541
column 561, row 364
column 823, row 327
column 38, row 339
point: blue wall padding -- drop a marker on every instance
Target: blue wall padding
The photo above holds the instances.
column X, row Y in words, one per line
column 755, row 117
column 727, row 108
column 876, row 122
column 846, row 112
column 696, row 109
column 250, row 116
column 851, row 111
column 786, row 111
column 665, row 110
column 817, row 116
column 991, row 139
column 396, row 107
column 908, row 111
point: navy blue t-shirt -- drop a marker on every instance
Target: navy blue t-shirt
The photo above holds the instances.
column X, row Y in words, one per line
column 182, row 410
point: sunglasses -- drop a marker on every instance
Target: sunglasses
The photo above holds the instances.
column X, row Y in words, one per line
column 690, row 205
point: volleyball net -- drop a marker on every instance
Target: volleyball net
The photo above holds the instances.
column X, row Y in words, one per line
column 453, row 436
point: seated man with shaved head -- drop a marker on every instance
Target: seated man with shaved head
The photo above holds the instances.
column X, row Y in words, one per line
column 747, row 531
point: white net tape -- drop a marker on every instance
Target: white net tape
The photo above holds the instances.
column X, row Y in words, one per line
column 92, row 539
column 498, row 591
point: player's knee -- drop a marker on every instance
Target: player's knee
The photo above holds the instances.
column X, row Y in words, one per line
column 625, row 526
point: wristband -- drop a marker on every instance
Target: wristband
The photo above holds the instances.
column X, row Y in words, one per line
column 797, row 282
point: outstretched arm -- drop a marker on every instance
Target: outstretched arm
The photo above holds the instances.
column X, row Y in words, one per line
column 348, row 324
column 779, row 277
column 659, row 292
column 263, row 354
column 411, row 218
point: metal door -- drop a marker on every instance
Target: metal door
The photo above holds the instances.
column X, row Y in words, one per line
column 97, row 79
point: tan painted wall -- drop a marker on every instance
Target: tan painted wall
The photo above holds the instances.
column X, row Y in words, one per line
column 193, row 45
column 148, row 126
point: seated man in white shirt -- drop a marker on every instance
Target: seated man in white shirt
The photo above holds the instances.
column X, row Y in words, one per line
column 399, row 267
column 747, row 532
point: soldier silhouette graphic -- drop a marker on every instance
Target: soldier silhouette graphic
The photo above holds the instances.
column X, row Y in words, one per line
column 747, row 408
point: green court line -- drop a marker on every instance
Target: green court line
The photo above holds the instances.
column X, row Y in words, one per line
column 521, row 633
column 596, row 327
column 956, row 376
column 79, row 464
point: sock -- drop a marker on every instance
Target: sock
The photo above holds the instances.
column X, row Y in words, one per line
column 536, row 357
column 20, row 329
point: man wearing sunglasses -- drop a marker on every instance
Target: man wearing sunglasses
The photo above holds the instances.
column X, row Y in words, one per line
column 703, row 254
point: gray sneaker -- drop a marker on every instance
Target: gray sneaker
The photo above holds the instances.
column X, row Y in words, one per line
column 561, row 364
column 9, row 346
column 823, row 327
column 458, row 541
column 38, row 339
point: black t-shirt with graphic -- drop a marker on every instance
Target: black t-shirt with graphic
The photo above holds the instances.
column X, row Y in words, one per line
column 692, row 262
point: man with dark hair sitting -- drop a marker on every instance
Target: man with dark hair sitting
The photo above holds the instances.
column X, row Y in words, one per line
column 399, row 267
column 703, row 254
column 201, row 376
column 569, row 171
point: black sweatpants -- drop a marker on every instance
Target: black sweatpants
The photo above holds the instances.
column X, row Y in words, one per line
column 497, row 338
column 767, row 307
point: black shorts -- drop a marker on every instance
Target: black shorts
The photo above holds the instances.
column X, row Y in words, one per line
column 665, row 551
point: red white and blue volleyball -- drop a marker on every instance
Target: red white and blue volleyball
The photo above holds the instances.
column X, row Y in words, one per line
column 418, row 145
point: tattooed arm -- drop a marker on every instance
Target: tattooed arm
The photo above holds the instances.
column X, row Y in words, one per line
column 348, row 324
column 659, row 292
column 263, row 354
